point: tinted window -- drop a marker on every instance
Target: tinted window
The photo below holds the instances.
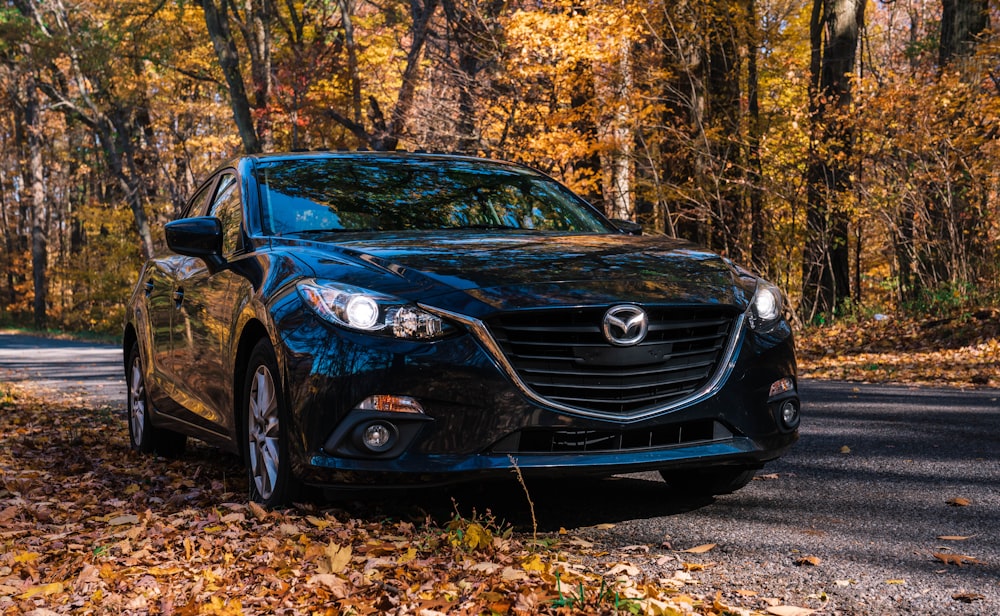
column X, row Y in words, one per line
column 386, row 194
column 198, row 206
column 226, row 207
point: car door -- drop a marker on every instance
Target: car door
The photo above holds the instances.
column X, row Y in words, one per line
column 159, row 287
column 203, row 318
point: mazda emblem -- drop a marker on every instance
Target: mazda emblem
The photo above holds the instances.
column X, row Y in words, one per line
column 625, row 325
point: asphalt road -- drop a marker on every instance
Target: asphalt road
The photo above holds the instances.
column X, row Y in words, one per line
column 865, row 493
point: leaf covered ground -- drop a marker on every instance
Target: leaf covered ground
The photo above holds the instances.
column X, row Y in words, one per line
column 963, row 351
column 89, row 527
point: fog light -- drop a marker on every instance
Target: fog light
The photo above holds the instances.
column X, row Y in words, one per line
column 781, row 386
column 790, row 413
column 379, row 436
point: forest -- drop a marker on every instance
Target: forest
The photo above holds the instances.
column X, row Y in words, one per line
column 845, row 149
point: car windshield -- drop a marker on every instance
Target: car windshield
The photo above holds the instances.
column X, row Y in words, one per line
column 324, row 194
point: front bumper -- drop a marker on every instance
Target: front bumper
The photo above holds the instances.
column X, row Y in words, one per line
column 477, row 423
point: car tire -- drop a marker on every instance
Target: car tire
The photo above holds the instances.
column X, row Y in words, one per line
column 710, row 481
column 269, row 471
column 144, row 437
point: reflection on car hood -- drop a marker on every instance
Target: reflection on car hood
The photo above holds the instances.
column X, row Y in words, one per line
column 515, row 270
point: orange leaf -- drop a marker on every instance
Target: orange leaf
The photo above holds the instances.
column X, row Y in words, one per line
column 700, row 549
column 955, row 559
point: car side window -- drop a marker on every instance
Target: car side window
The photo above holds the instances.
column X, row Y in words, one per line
column 227, row 208
column 199, row 203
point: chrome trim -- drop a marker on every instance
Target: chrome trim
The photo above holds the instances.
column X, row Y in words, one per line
column 482, row 333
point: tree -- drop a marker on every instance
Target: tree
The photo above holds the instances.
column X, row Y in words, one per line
column 834, row 35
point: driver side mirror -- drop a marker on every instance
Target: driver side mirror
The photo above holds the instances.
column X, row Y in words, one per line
column 199, row 237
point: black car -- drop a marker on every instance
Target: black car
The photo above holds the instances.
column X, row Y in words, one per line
column 382, row 319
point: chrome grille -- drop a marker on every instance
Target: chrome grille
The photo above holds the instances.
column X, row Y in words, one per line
column 563, row 357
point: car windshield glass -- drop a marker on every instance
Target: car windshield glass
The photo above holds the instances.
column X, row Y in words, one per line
column 310, row 195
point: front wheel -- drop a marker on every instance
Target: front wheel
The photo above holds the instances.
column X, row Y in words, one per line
column 709, row 481
column 144, row 437
column 268, row 468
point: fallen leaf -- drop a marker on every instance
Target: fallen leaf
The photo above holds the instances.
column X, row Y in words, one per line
column 334, row 584
column 27, row 557
column 958, row 502
column 258, row 512
column 968, row 597
column 700, row 549
column 622, row 568
column 477, row 537
column 693, row 566
column 44, row 590
column 534, row 563
column 318, row 522
column 954, row 537
column 896, row 582
column 337, row 558
column 789, row 610
column 812, row 561
column 955, row 559
column 845, row 449
column 123, row 519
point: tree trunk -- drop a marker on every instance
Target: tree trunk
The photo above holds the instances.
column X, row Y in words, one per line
column 962, row 21
column 834, row 31
column 35, row 181
column 760, row 257
column 217, row 22
column 347, row 19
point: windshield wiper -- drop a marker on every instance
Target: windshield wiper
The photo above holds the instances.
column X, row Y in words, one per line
column 327, row 230
column 484, row 227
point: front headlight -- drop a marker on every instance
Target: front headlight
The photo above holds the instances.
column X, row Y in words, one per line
column 369, row 311
column 766, row 307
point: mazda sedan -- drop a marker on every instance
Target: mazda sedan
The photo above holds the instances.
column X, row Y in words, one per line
column 385, row 319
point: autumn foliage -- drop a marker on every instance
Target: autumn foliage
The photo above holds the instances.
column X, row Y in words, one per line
column 698, row 119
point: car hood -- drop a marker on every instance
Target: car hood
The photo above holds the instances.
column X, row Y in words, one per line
column 514, row 271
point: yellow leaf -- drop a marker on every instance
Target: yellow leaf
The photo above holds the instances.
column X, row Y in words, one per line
column 534, row 563
column 845, row 449
column 477, row 537
column 958, row 502
column 411, row 554
column 27, row 557
column 318, row 522
column 700, row 549
column 896, row 582
column 132, row 488
column 44, row 590
column 812, row 561
column 338, row 557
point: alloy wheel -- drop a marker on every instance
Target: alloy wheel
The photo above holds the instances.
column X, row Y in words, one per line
column 263, row 432
column 137, row 402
